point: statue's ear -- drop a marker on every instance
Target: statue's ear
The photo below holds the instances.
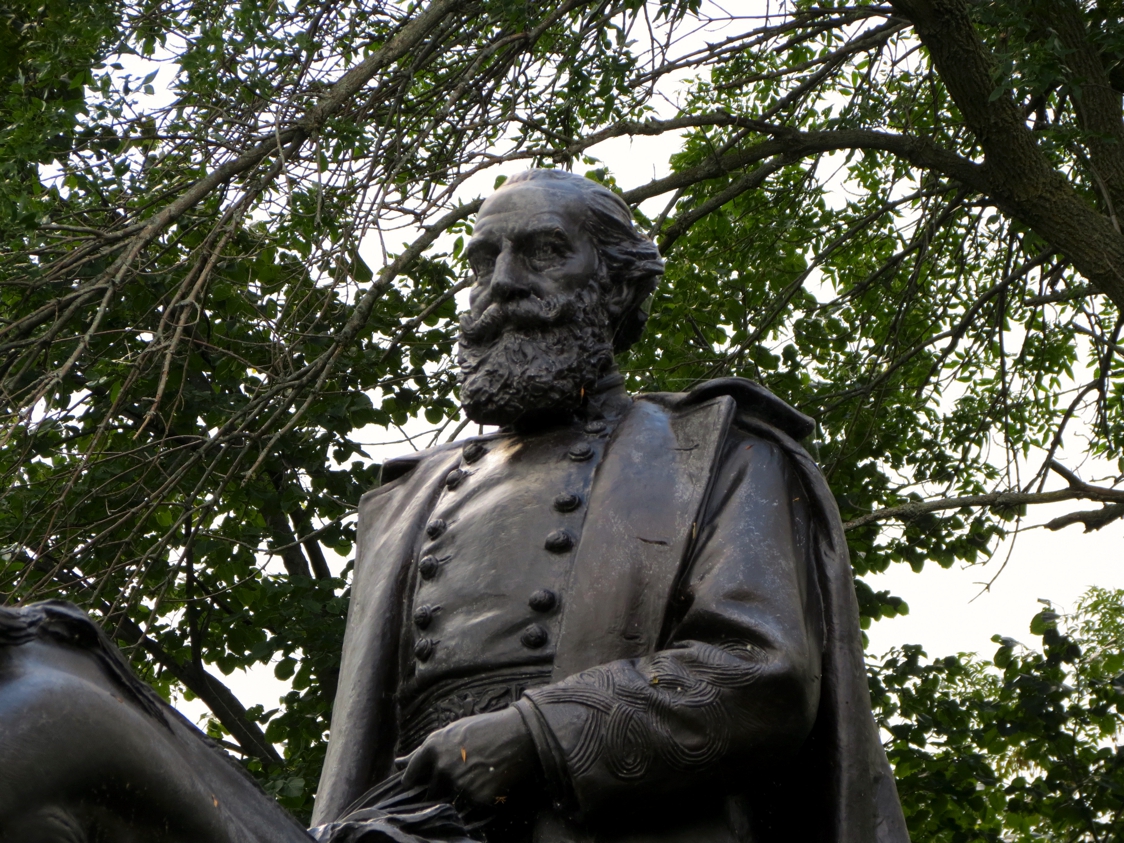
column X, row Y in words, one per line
column 618, row 300
column 627, row 305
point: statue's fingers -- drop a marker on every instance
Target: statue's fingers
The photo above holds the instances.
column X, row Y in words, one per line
column 418, row 766
column 403, row 761
column 442, row 782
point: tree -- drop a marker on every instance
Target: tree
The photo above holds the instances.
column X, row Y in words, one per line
column 1019, row 748
column 900, row 217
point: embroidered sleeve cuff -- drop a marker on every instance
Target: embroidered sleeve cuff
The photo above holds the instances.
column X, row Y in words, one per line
column 549, row 752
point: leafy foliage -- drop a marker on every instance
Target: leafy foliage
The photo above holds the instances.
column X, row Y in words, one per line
column 231, row 238
column 1022, row 747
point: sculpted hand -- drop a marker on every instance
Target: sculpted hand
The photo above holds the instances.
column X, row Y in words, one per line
column 481, row 759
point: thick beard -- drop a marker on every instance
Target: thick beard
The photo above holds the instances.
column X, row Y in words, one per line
column 533, row 356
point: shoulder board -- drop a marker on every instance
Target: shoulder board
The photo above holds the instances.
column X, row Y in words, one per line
column 752, row 400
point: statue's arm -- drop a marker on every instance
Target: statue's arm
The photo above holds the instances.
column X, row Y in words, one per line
column 735, row 688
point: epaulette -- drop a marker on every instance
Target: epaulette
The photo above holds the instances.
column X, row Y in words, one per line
column 754, row 400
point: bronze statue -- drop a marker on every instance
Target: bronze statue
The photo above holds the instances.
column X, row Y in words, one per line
column 617, row 619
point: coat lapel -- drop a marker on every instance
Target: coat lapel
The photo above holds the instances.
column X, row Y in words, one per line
column 639, row 530
column 363, row 732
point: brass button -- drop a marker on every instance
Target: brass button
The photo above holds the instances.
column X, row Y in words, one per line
column 581, row 452
column 423, row 616
column 534, row 636
column 454, row 478
column 559, row 541
column 473, row 451
column 567, row 502
column 435, row 528
column 428, row 567
column 424, row 649
column 543, row 600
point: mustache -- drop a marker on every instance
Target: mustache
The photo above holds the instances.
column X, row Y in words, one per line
column 529, row 314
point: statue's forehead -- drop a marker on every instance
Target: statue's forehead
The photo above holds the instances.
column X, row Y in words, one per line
column 531, row 206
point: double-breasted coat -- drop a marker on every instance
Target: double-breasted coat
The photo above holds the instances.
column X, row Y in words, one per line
column 666, row 598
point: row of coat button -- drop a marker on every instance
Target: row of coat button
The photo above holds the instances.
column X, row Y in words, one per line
column 534, row 637
column 557, row 541
column 542, row 600
column 473, row 451
column 578, row 452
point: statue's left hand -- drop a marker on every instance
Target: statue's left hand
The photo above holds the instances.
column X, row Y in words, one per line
column 483, row 760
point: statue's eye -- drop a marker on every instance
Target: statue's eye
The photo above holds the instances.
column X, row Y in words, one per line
column 482, row 263
column 547, row 251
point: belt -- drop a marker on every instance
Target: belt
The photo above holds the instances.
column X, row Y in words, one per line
column 449, row 701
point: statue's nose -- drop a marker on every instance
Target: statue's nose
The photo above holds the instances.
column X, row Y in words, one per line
column 509, row 278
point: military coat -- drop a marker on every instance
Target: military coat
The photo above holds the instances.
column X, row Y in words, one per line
column 671, row 610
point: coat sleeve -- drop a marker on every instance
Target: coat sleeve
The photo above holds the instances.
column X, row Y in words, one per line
column 735, row 686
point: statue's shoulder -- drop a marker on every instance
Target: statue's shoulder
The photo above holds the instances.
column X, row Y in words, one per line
column 397, row 467
column 754, row 402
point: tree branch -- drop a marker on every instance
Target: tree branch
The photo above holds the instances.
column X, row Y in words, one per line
column 1092, row 519
column 750, row 181
column 797, row 144
column 1078, row 490
column 302, row 523
column 1098, row 106
column 214, row 694
column 1082, row 292
column 915, row 509
column 1019, row 178
column 289, row 549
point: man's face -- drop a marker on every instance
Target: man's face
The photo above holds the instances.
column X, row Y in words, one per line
column 536, row 333
column 529, row 242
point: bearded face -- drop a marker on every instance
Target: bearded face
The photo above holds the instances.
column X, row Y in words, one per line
column 532, row 356
column 538, row 328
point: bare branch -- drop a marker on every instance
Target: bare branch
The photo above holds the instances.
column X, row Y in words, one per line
column 915, row 509
column 1092, row 519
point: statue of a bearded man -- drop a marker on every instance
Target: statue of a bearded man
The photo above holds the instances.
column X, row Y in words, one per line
column 618, row 618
